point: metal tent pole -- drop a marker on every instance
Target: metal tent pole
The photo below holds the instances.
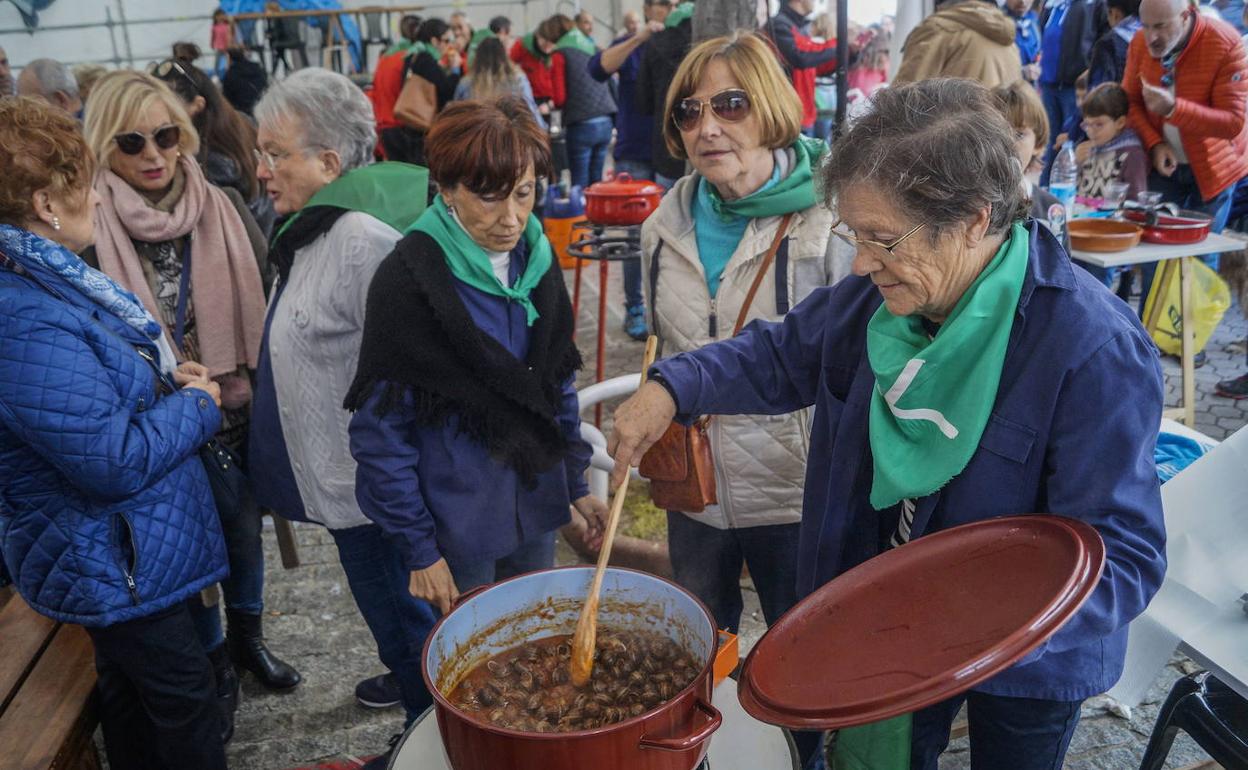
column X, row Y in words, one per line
column 842, row 64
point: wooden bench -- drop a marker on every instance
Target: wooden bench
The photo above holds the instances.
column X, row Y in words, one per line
column 47, row 684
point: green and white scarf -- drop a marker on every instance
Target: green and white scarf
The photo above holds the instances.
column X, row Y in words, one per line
column 679, row 14
column 577, row 40
column 933, row 396
column 470, row 263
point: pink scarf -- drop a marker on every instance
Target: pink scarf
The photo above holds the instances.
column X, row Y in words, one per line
column 228, row 295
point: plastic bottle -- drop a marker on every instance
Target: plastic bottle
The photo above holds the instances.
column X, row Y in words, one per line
column 1063, row 178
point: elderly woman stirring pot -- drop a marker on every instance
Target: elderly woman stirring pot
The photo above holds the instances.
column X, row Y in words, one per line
column 341, row 217
column 967, row 371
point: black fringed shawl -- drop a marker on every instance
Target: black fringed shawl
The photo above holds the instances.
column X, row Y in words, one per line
column 419, row 337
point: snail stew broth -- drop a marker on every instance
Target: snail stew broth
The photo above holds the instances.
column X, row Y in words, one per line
column 528, row 687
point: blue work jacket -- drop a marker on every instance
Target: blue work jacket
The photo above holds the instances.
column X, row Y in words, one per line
column 439, row 493
column 1072, row 433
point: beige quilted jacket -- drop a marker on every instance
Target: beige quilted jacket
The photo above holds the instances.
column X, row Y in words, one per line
column 760, row 460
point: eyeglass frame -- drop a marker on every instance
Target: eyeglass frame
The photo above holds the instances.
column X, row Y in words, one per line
column 704, row 106
column 854, row 240
column 149, row 138
column 270, row 160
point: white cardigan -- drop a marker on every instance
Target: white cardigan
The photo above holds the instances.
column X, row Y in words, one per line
column 314, row 346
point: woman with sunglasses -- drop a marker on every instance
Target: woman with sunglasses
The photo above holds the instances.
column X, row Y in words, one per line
column 734, row 115
column 434, row 63
column 178, row 243
column 966, row 371
column 227, row 140
column 99, row 440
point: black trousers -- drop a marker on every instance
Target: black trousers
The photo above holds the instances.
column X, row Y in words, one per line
column 157, row 694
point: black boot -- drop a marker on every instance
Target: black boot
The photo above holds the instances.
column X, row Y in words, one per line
column 249, row 653
column 227, row 689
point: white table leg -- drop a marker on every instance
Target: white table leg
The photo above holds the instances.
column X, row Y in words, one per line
column 1188, row 341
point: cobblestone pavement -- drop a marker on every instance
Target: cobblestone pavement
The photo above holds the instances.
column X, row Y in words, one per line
column 312, row 621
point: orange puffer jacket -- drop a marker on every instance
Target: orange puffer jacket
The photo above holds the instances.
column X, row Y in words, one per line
column 1211, row 92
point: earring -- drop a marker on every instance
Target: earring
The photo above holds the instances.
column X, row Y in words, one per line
column 56, row 223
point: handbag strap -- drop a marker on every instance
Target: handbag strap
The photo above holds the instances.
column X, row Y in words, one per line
column 768, row 258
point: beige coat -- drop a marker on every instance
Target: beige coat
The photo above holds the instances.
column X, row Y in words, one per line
column 760, row 460
column 971, row 39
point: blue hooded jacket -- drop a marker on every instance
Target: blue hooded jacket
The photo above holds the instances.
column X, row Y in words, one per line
column 105, row 509
column 1072, row 433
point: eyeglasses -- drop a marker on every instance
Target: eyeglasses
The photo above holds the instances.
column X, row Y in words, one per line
column 169, row 66
column 731, row 105
column 132, row 143
column 846, row 235
column 270, row 159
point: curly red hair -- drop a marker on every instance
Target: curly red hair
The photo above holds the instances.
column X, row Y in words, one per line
column 41, row 147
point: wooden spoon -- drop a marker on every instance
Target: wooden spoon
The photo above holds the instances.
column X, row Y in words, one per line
column 586, row 636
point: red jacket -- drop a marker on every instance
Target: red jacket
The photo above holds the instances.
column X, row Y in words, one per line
column 1211, row 92
column 536, row 69
column 802, row 56
column 387, row 84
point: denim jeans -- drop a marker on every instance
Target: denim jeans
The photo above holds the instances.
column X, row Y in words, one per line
column 1060, row 104
column 533, row 554
column 244, row 588
column 587, row 149
column 157, row 694
column 399, row 622
column 707, row 561
column 1018, row 733
column 633, row 296
column 1180, row 188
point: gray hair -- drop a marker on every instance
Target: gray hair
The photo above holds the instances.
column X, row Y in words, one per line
column 53, row 77
column 940, row 148
column 330, row 110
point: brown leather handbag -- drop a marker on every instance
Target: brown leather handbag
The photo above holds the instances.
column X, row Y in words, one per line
column 680, row 466
column 417, row 104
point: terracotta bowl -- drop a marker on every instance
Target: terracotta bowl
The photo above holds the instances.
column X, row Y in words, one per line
column 1103, row 235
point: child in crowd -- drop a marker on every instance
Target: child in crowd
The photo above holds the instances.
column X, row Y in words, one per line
column 1022, row 108
column 220, row 40
column 1113, row 152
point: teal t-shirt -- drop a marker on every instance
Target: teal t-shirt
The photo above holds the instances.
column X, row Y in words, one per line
column 718, row 235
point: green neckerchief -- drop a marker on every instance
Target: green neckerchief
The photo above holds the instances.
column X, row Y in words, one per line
column 577, row 40
column 679, row 14
column 399, row 46
column 876, row 746
column 421, row 46
column 393, row 192
column 478, row 37
column 933, row 396
column 469, row 262
column 796, row 192
column 530, row 44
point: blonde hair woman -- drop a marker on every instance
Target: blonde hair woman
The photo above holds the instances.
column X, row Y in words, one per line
column 181, row 245
column 492, row 75
column 735, row 116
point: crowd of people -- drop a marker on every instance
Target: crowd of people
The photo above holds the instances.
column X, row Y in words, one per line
column 228, row 293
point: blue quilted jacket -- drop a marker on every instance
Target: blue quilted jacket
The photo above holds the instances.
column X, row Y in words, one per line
column 105, row 509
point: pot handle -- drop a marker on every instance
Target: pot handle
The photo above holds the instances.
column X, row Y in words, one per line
column 465, row 596
column 685, row 742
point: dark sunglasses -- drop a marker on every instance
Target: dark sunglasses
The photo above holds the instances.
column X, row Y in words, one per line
column 134, row 142
column 173, row 66
column 731, row 105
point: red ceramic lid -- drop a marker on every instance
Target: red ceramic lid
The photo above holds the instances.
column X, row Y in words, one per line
column 921, row 623
column 623, row 185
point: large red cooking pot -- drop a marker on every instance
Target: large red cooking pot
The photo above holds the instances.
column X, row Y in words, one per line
column 621, row 201
column 671, row 736
column 1172, row 230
